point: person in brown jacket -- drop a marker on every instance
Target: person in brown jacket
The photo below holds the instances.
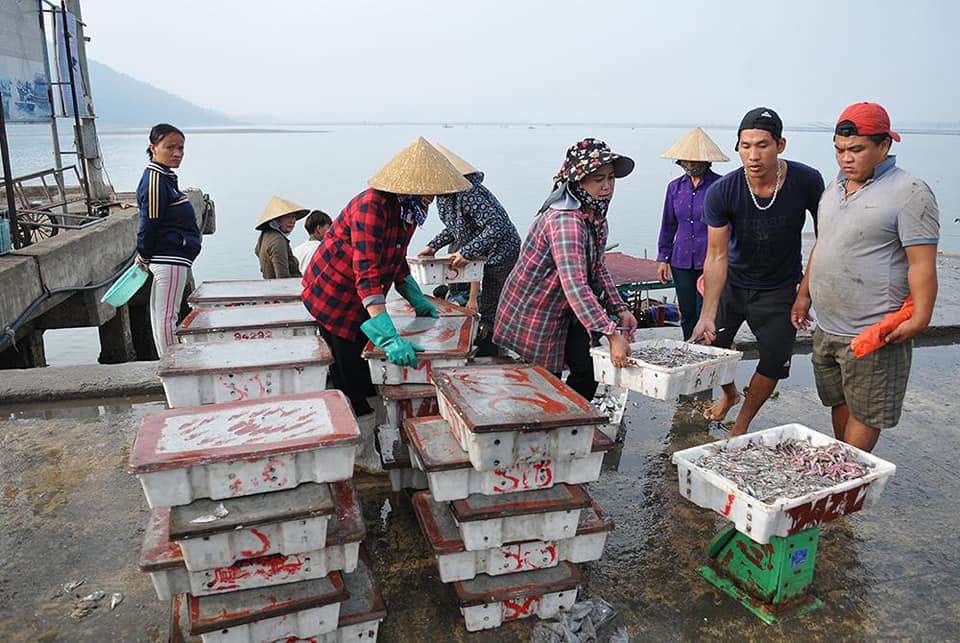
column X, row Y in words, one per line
column 273, row 247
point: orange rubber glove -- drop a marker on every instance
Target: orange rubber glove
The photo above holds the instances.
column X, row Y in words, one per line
column 874, row 337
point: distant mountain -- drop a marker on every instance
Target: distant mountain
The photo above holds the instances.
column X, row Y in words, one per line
column 120, row 99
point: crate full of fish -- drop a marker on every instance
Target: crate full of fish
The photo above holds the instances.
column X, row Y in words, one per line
column 435, row 271
column 245, row 323
column 451, row 476
column 244, row 448
column 666, row 368
column 246, row 292
column 456, row 563
column 782, row 480
column 215, row 372
column 447, row 342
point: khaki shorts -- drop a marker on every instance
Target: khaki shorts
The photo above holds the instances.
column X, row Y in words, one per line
column 871, row 386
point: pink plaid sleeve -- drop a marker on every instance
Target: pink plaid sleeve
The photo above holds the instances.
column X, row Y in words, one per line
column 568, row 245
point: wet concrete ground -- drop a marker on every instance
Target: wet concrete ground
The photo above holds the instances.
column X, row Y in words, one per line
column 69, row 510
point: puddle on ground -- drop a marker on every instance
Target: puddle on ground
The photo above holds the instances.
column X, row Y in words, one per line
column 81, row 409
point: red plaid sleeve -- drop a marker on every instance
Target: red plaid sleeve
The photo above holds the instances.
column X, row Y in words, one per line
column 367, row 236
column 569, row 241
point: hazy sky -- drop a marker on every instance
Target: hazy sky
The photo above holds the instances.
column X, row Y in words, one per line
column 533, row 60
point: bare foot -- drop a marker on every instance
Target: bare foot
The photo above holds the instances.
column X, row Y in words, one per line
column 719, row 409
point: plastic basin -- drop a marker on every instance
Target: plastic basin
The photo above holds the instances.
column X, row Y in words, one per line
column 125, row 286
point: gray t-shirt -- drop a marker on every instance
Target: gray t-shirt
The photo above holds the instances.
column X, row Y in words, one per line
column 859, row 268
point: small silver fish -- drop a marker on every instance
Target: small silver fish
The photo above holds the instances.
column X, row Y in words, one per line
column 115, row 599
column 219, row 512
column 93, row 598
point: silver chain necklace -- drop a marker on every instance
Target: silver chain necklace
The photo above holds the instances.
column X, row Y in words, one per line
column 776, row 188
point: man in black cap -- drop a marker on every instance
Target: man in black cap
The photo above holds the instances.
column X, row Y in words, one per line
column 754, row 218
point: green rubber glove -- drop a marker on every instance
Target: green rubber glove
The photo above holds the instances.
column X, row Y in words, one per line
column 410, row 290
column 383, row 333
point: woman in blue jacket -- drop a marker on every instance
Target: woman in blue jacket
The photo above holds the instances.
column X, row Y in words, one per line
column 168, row 240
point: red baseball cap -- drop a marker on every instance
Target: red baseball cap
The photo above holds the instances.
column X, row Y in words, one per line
column 864, row 119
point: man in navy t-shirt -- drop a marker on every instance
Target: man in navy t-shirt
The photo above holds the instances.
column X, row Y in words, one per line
column 755, row 216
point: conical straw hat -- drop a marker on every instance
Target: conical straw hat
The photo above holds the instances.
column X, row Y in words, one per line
column 462, row 166
column 279, row 207
column 695, row 146
column 419, row 169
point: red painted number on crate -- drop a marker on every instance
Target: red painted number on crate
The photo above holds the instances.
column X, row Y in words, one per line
column 253, row 388
column 538, row 476
column 526, row 556
column 270, row 569
column 264, row 542
column 513, row 610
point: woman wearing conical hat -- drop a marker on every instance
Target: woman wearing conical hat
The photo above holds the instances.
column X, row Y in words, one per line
column 273, row 247
column 362, row 255
column 560, row 294
column 481, row 229
column 683, row 234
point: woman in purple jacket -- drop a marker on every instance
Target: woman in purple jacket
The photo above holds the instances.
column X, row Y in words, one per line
column 683, row 234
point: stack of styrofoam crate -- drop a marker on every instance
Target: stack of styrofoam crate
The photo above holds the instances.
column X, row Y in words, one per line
column 406, row 391
column 246, row 292
column 506, row 515
column 244, row 323
column 255, row 527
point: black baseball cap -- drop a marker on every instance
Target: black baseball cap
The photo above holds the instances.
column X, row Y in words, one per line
column 762, row 118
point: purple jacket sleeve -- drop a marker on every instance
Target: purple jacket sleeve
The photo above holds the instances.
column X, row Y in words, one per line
column 668, row 227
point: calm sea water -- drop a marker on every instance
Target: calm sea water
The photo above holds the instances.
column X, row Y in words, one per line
column 324, row 166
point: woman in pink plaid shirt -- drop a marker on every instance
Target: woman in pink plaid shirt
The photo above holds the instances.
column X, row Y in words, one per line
column 560, row 293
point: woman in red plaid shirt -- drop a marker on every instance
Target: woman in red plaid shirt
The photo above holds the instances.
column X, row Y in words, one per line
column 560, row 292
column 360, row 258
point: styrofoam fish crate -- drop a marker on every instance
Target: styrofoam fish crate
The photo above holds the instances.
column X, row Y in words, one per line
column 395, row 459
column 506, row 415
column 164, row 560
column 487, row 602
column 216, row 372
column 662, row 382
column 287, row 522
column 246, row 292
column 407, row 401
column 303, row 610
column 761, row 521
column 545, row 514
column 446, row 340
column 244, row 323
column 451, row 475
column 435, row 271
column 359, row 619
column 456, row 563
column 244, row 448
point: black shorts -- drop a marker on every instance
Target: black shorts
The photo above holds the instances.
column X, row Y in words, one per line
column 767, row 313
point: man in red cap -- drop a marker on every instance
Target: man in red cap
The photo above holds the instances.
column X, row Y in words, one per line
column 876, row 244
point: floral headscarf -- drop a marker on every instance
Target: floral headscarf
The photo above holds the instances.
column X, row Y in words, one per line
column 583, row 158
